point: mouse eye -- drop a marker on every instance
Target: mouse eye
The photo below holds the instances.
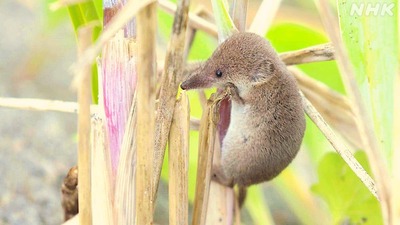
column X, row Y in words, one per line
column 218, row 73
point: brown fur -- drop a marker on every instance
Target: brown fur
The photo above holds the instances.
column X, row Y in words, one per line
column 267, row 119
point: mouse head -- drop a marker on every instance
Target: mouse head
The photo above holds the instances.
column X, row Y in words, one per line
column 244, row 59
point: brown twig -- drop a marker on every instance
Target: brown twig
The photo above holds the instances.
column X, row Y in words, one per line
column 179, row 163
column 317, row 53
column 170, row 80
column 206, row 147
column 146, row 96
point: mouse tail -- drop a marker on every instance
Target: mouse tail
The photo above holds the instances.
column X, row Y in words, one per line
column 242, row 192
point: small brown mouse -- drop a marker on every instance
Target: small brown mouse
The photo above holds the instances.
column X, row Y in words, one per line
column 267, row 119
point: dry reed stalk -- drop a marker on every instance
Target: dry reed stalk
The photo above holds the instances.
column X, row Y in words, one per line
column 218, row 210
column 238, row 13
column 316, row 53
column 118, row 82
column 130, row 9
column 102, row 198
column 169, row 85
column 334, row 107
column 264, row 17
column 125, row 189
column 195, row 21
column 339, row 146
column 179, row 163
column 363, row 119
column 207, row 138
column 82, row 80
column 42, row 105
column 145, row 129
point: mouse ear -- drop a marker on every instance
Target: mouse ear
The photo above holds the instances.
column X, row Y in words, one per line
column 263, row 70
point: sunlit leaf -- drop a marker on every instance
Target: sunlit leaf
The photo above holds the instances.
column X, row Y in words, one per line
column 347, row 197
column 371, row 38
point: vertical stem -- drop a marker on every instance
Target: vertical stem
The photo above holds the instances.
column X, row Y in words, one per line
column 84, row 100
column 207, row 135
column 178, row 163
column 238, row 13
column 146, row 37
column 169, row 86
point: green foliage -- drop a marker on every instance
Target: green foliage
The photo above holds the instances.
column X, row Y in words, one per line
column 347, row 197
column 372, row 44
column 81, row 14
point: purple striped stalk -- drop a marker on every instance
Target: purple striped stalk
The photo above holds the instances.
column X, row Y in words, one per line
column 118, row 81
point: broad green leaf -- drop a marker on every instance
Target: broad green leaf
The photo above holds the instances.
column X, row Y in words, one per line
column 347, row 198
column 369, row 30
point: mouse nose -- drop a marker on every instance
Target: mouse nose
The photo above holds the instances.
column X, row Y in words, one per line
column 184, row 85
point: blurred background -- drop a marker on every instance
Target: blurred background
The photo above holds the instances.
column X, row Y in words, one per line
column 37, row 48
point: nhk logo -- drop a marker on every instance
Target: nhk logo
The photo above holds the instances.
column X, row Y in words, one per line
column 376, row 9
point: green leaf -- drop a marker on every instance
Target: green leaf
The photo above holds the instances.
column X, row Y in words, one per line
column 225, row 25
column 347, row 197
column 372, row 44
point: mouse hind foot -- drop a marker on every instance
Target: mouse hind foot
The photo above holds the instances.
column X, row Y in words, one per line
column 219, row 176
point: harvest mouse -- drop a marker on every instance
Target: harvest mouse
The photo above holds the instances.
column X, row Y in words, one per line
column 267, row 119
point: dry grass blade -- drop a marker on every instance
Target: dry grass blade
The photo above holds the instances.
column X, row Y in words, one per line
column 318, row 53
column 342, row 150
column 363, row 119
column 206, row 147
column 179, row 163
column 146, row 96
column 42, row 105
column 82, row 80
column 102, row 197
column 130, row 9
column 264, row 17
column 125, row 182
column 334, row 107
column 170, row 80
column 220, row 209
column 238, row 13
column 195, row 21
